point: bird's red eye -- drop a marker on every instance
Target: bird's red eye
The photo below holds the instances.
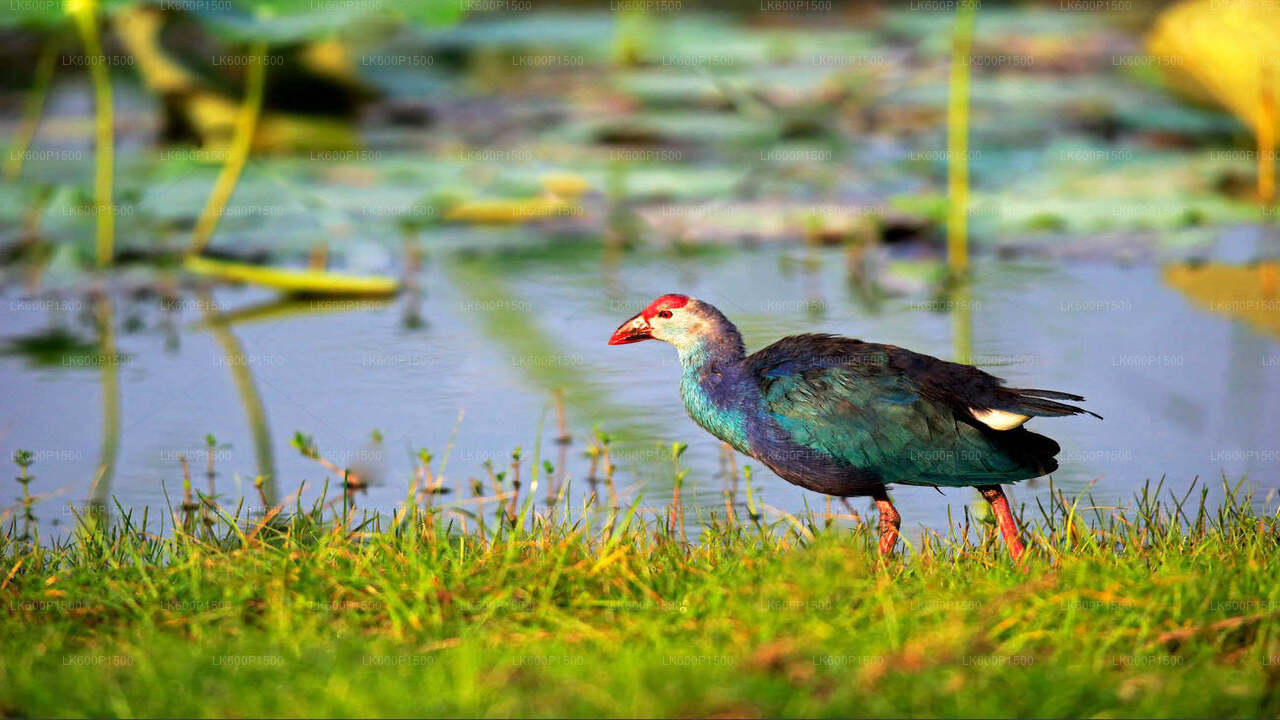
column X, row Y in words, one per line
column 664, row 314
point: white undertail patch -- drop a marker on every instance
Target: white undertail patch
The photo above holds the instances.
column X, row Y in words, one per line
column 998, row 419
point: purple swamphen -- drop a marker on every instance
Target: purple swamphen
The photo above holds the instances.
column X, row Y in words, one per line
column 846, row 417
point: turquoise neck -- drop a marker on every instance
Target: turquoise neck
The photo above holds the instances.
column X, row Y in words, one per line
column 712, row 388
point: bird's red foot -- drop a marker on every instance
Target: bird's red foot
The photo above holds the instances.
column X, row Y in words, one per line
column 994, row 495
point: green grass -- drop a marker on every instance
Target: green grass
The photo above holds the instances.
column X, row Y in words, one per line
column 1157, row 609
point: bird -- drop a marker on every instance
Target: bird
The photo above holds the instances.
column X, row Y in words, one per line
column 848, row 418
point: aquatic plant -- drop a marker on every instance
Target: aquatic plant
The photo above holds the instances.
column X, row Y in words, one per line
column 958, row 139
column 238, row 153
column 84, row 13
column 1226, row 52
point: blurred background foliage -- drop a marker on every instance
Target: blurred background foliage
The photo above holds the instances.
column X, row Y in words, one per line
column 450, row 115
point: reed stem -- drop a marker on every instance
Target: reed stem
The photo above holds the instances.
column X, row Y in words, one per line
column 958, row 140
column 241, row 144
column 1266, row 136
column 85, row 14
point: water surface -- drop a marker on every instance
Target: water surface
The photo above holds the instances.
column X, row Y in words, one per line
column 469, row 366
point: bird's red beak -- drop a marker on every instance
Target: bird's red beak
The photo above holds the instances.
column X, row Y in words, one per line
column 633, row 330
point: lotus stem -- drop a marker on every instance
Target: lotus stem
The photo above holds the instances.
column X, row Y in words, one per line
column 84, row 12
column 241, row 144
column 1266, row 136
column 958, row 140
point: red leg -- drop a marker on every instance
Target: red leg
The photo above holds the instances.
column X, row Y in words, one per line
column 994, row 494
column 890, row 521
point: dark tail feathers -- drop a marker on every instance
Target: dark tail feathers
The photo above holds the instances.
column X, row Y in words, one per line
column 1042, row 403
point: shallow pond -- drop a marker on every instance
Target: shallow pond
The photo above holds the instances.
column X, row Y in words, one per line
column 468, row 367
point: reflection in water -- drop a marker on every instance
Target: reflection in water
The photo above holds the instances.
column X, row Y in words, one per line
column 501, row 339
column 220, row 326
column 1242, row 292
column 507, row 322
column 109, row 365
column 961, row 304
column 287, row 308
column 1249, row 293
column 413, row 258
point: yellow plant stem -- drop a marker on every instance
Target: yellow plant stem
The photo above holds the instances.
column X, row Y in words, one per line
column 32, row 109
column 86, row 21
column 293, row 281
column 246, row 123
column 958, row 140
column 1266, row 131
